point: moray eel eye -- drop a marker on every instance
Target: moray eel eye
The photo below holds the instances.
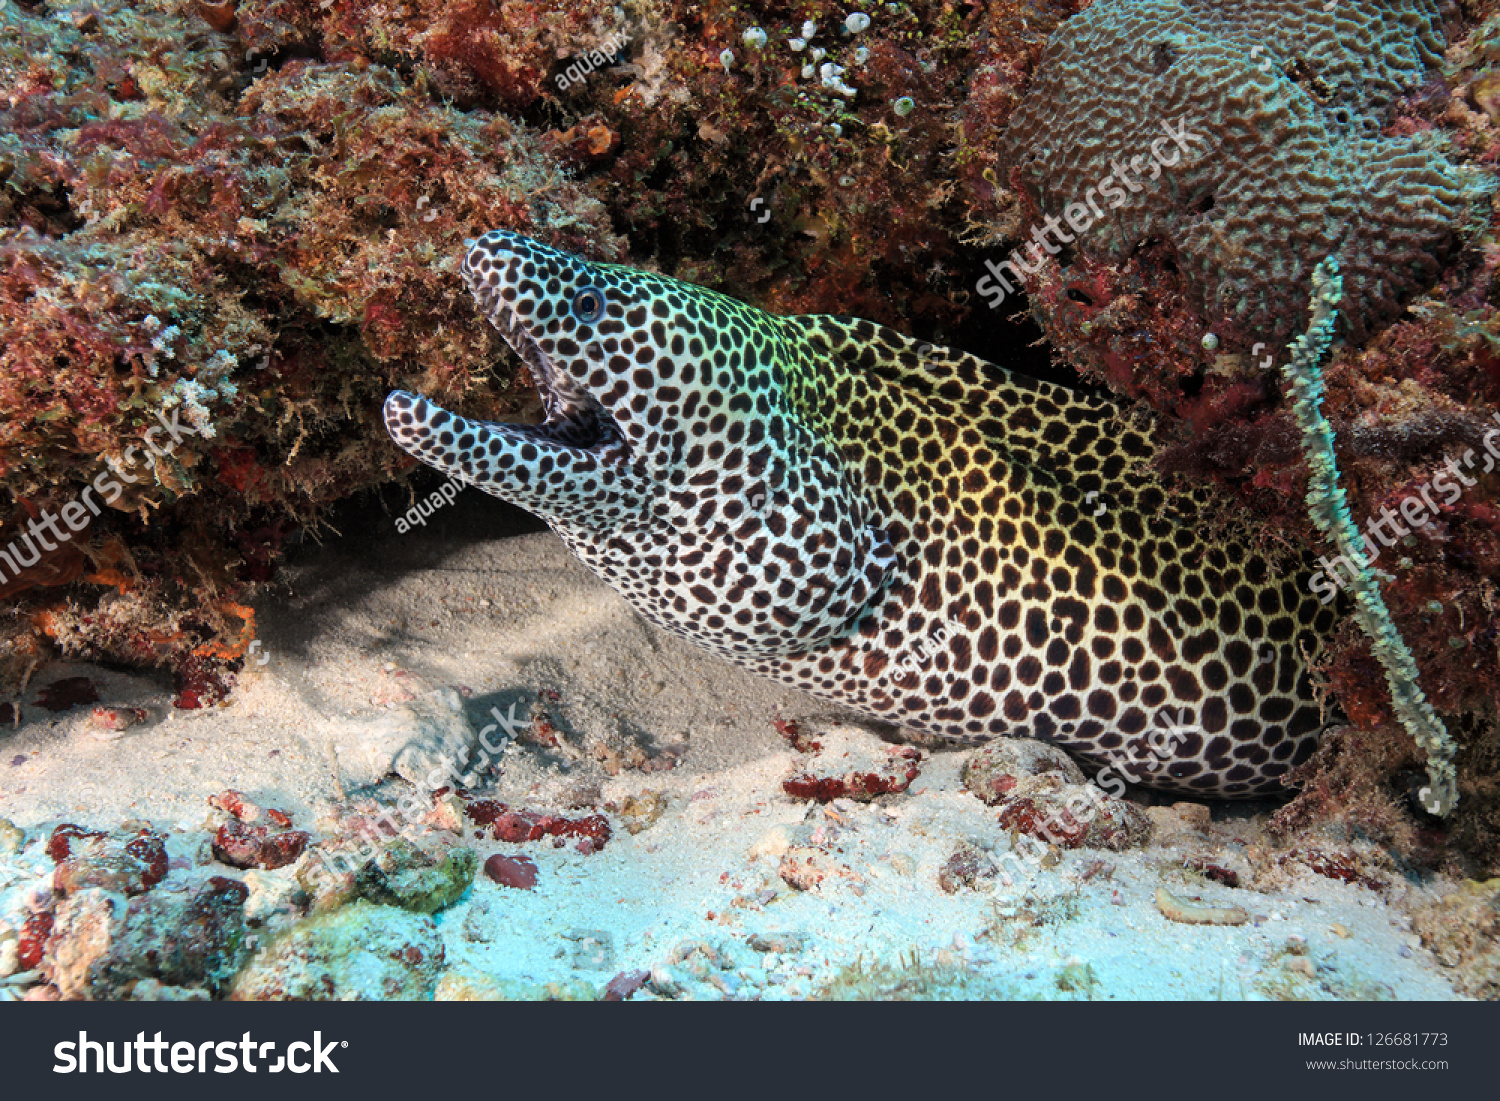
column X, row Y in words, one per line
column 588, row 305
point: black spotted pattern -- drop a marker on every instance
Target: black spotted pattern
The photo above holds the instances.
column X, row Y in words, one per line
column 908, row 530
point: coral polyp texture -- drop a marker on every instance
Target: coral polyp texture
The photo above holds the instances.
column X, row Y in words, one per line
column 1279, row 160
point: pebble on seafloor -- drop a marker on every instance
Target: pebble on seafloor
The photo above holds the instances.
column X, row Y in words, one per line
column 411, row 740
column 1043, row 794
column 512, row 871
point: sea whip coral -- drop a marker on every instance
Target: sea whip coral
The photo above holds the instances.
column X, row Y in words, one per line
column 1330, row 512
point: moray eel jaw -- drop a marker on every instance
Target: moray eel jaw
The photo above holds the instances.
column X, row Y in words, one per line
column 574, row 416
column 550, row 468
column 668, row 461
column 906, row 530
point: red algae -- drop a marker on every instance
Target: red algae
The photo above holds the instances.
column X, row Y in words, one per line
column 242, row 846
column 525, row 825
column 512, row 871
column 33, row 943
column 131, row 861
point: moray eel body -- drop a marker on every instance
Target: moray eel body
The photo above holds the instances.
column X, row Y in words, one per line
column 906, row 530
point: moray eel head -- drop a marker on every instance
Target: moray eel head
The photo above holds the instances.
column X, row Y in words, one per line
column 670, row 459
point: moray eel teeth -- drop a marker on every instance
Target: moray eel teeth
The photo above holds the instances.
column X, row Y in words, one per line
column 668, row 460
column 907, row 530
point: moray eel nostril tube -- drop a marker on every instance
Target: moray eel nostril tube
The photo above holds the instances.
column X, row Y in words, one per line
column 907, row 530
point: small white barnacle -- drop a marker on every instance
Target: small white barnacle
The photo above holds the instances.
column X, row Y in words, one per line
column 856, row 21
column 726, row 59
column 1210, row 342
column 754, row 38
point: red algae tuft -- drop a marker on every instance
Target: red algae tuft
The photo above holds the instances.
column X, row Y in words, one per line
column 242, row 846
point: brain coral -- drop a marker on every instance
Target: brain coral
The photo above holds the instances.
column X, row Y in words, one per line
column 1288, row 99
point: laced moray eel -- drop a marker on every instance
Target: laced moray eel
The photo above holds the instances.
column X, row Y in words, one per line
column 907, row 530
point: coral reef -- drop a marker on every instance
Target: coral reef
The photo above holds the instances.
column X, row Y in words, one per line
column 252, row 254
column 246, row 218
column 1410, row 404
column 1238, row 147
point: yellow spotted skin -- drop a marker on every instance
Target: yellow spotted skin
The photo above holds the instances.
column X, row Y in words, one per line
column 907, row 530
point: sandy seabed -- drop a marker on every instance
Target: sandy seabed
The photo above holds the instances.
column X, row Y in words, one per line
column 699, row 899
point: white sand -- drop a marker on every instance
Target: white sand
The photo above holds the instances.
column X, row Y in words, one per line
column 509, row 618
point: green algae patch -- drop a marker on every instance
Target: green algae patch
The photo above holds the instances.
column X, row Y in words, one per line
column 362, row 952
column 406, row 876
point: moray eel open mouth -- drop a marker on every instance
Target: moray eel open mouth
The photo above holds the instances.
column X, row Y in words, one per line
column 902, row 529
column 666, row 440
column 574, row 417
